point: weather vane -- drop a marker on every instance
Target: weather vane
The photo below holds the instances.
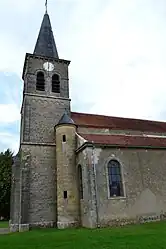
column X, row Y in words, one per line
column 46, row 6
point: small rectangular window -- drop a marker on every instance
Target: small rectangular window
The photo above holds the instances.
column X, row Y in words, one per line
column 80, row 182
column 64, row 138
column 65, row 194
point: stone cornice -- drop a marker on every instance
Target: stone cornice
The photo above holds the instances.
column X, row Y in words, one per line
column 45, row 96
column 38, row 144
column 103, row 146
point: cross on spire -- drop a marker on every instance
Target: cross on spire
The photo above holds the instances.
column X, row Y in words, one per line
column 46, row 6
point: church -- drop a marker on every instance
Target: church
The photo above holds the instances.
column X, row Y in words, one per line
column 76, row 169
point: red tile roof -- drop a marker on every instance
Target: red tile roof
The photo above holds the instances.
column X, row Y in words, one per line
column 126, row 140
column 100, row 121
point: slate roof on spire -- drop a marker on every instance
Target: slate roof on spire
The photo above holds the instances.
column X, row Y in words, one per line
column 65, row 119
column 45, row 45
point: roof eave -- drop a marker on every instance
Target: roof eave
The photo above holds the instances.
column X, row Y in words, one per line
column 92, row 144
column 69, row 124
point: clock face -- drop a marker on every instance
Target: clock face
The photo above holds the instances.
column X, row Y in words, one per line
column 48, row 66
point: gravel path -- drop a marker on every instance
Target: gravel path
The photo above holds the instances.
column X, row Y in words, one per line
column 4, row 230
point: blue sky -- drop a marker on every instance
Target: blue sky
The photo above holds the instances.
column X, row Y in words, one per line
column 117, row 51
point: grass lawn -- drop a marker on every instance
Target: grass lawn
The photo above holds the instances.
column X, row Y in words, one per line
column 4, row 224
column 149, row 236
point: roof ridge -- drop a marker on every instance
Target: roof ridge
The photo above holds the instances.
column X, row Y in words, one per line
column 117, row 117
column 124, row 135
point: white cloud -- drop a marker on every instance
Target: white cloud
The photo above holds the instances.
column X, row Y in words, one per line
column 121, row 59
column 9, row 113
column 9, row 141
column 12, row 55
column 117, row 51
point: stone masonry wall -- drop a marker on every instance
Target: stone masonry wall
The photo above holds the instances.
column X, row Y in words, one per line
column 40, row 112
column 41, row 209
column 34, row 65
column 15, row 192
column 68, row 207
column 41, row 115
column 88, row 212
column 144, row 182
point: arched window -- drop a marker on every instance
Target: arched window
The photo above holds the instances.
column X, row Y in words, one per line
column 80, row 181
column 55, row 84
column 115, row 179
column 40, row 81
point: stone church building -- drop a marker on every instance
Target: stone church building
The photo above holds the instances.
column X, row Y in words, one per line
column 76, row 169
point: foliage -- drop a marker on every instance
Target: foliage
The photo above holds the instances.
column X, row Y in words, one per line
column 147, row 236
column 5, row 183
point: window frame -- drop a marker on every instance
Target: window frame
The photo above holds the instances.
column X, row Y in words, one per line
column 55, row 84
column 80, row 182
column 65, row 194
column 64, row 138
column 37, row 74
column 123, row 196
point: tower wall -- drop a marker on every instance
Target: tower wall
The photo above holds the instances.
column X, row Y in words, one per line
column 37, row 171
column 67, row 188
column 34, row 64
column 15, row 194
column 38, row 207
column 40, row 112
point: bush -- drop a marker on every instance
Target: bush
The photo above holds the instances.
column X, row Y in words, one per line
column 5, row 183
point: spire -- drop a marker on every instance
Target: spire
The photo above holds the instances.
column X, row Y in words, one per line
column 45, row 45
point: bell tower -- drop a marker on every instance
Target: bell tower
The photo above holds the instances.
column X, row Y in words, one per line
column 46, row 90
column 45, row 99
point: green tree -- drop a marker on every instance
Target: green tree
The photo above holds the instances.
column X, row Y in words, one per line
column 5, row 182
